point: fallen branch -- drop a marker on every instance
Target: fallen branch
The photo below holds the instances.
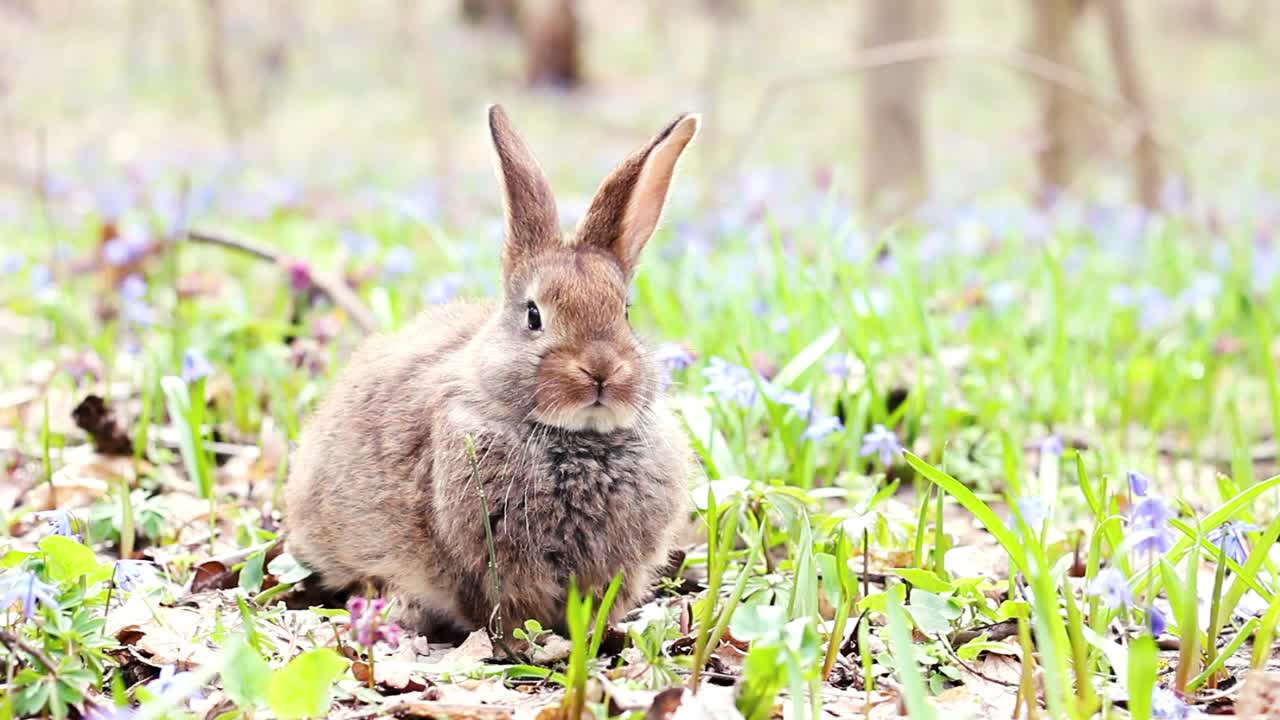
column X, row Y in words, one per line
column 335, row 288
column 12, row 641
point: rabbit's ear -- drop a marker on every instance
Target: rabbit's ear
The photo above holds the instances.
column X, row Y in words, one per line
column 628, row 205
column 530, row 208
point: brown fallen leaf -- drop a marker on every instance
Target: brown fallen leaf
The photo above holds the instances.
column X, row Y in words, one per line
column 711, row 703
column 433, row 709
column 95, row 417
column 474, row 650
column 397, row 676
column 1260, row 697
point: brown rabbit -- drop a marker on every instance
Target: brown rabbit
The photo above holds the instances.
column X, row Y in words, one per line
column 584, row 469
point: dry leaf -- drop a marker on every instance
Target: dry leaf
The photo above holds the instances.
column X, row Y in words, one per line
column 476, row 648
column 1260, row 697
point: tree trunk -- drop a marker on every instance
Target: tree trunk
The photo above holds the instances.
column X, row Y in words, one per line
column 895, row 176
column 1146, row 154
column 218, row 67
column 1054, row 22
column 503, row 14
column 553, row 47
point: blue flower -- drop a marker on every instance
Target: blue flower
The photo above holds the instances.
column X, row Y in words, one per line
column 1155, row 621
column 1166, row 704
column 1051, row 445
column 880, row 440
column 444, row 288
column 173, row 687
column 130, row 574
column 730, row 382
column 1112, row 587
column 398, row 261
column 1033, row 509
column 24, row 586
column 1230, row 538
column 822, row 426
column 10, row 264
column 195, row 366
column 41, row 278
column 1138, row 483
column 839, row 366
column 57, row 522
column 133, row 293
column 801, row 403
column 357, row 243
column 1149, row 521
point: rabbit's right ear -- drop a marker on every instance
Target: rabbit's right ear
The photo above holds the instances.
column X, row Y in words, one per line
column 532, row 225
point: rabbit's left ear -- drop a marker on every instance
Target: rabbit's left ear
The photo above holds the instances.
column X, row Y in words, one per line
column 626, row 209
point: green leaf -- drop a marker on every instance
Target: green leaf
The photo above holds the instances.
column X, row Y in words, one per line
column 287, row 569
column 301, row 688
column 904, row 663
column 1142, row 676
column 932, row 614
column 68, row 560
column 806, row 358
column 924, row 579
column 246, row 677
column 251, row 573
column 755, row 621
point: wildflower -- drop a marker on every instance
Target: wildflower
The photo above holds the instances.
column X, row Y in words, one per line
column 838, row 366
column 133, row 287
column 731, row 382
column 195, row 366
column 57, row 522
column 133, row 242
column 822, row 426
column 398, row 261
column 172, row 687
column 759, row 307
column 1000, row 295
column 368, row 625
column 357, row 243
column 1149, row 520
column 444, row 288
column 801, row 403
column 1166, row 704
column 1112, row 587
column 1138, row 483
column 1051, row 445
column 133, row 293
column 11, row 264
column 1230, row 539
column 299, row 274
column 673, row 357
column 881, row 440
column 25, row 586
column 1155, row 621
column 41, row 278
column 130, row 574
column 1033, row 510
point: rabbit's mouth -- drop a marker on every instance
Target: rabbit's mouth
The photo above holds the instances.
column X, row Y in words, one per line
column 599, row 416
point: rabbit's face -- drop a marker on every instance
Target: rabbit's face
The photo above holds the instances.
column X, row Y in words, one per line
column 592, row 372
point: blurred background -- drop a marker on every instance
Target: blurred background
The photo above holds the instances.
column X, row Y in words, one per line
column 890, row 105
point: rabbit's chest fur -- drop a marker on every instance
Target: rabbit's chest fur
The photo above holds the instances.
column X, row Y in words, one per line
column 562, row 504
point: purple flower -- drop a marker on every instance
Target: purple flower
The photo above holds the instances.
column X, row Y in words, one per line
column 130, row 574
column 1149, row 522
column 822, row 426
column 1230, row 538
column 1155, row 621
column 880, row 440
column 398, row 261
column 839, row 366
column 131, row 244
column 133, row 293
column 673, row 357
column 24, row 586
column 57, row 522
column 299, row 274
column 10, row 264
column 1112, row 588
column 195, row 366
column 730, row 382
column 1138, row 483
column 368, row 624
column 801, row 403
column 41, row 279
column 1051, row 445
column 173, row 687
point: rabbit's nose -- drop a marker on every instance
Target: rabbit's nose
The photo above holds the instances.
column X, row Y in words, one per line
column 597, row 376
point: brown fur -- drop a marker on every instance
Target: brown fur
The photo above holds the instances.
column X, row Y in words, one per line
column 584, row 470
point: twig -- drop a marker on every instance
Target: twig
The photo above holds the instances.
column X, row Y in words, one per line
column 332, row 287
column 495, row 577
column 11, row 641
column 969, row 668
column 932, row 49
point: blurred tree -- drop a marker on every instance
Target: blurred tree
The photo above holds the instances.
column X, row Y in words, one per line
column 895, row 173
column 503, row 14
column 1061, row 117
column 553, row 47
column 217, row 65
column 1146, row 154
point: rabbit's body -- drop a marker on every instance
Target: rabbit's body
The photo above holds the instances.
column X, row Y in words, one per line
column 583, row 469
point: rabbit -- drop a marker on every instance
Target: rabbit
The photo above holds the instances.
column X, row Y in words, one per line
column 584, row 469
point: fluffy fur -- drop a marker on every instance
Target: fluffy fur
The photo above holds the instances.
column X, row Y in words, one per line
column 584, row 469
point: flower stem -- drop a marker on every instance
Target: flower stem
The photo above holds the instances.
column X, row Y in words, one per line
column 1215, row 609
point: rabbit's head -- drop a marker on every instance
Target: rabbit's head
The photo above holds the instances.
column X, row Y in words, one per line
column 560, row 349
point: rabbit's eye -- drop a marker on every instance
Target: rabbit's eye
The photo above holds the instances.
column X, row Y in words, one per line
column 535, row 317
